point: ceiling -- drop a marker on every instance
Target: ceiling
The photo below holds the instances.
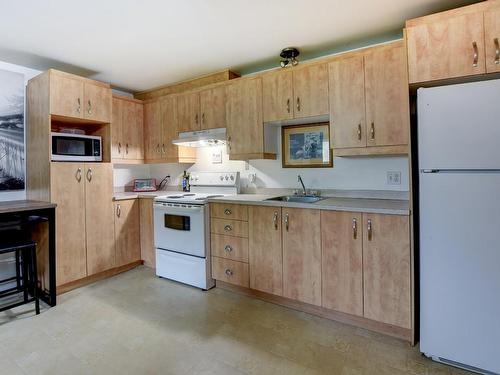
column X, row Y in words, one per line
column 137, row 45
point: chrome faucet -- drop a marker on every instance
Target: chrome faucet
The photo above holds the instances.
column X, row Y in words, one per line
column 304, row 191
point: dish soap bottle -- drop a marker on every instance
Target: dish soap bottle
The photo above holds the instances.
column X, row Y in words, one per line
column 185, row 181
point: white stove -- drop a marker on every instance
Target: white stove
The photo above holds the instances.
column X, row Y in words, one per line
column 181, row 228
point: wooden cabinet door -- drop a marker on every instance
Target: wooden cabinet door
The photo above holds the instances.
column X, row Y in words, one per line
column 148, row 254
column 127, row 232
column 245, row 129
column 265, row 250
column 188, row 112
column 67, row 190
column 386, row 269
column 97, row 104
column 277, row 96
column 152, row 130
column 347, row 102
column 342, row 261
column 446, row 48
column 117, row 130
column 310, row 88
column 133, row 130
column 302, row 255
column 99, row 221
column 213, row 108
column 169, row 128
column 387, row 96
column 66, row 95
column 492, row 40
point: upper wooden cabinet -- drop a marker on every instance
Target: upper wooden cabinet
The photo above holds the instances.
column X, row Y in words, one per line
column 188, row 112
column 369, row 102
column 295, row 93
column 457, row 43
column 492, row 39
column 387, row 269
column 213, row 107
column 245, row 128
column 127, row 141
column 152, row 130
column 76, row 97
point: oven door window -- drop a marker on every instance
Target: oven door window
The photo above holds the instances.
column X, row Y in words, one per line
column 177, row 222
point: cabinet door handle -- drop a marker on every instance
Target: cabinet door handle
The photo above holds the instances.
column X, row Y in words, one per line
column 497, row 51
column 354, row 228
column 275, row 220
column 158, row 148
column 372, row 131
column 203, row 118
column 89, row 174
column 370, row 232
column 89, row 110
column 229, row 143
column 118, row 210
column 298, row 104
column 228, row 272
column 196, row 119
column 228, row 228
column 228, row 248
column 119, row 147
column 227, row 211
column 79, row 108
column 126, row 148
column 78, row 174
column 359, row 132
column 288, row 105
column 475, row 55
column 287, row 221
column 163, row 148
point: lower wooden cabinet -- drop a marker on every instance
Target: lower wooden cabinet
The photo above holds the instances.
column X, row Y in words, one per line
column 127, row 232
column 230, row 271
column 387, row 269
column 342, row 261
column 302, row 255
column 265, row 249
column 148, row 253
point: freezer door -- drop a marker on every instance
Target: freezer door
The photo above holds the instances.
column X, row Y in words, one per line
column 459, row 126
column 460, row 267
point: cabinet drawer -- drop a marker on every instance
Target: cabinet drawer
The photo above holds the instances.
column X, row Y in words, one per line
column 230, row 271
column 229, row 247
column 230, row 227
column 229, row 211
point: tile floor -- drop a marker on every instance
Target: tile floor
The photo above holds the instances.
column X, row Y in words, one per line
column 136, row 323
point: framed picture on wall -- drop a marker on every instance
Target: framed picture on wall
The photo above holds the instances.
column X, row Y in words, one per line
column 306, row 146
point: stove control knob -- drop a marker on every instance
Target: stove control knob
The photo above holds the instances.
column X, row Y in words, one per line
column 221, row 177
column 232, row 178
column 227, row 177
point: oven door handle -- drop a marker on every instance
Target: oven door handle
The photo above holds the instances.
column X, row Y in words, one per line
column 177, row 210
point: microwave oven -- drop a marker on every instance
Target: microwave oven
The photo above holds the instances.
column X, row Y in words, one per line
column 76, row 147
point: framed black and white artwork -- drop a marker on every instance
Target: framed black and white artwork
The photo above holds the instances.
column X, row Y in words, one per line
column 12, row 166
column 306, row 146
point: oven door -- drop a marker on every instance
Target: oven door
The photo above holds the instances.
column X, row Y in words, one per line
column 180, row 229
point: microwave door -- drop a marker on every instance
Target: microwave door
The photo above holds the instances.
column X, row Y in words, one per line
column 75, row 148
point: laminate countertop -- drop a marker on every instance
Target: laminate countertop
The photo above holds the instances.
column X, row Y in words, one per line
column 24, row 205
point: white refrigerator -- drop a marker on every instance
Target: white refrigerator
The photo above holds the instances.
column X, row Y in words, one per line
column 459, row 193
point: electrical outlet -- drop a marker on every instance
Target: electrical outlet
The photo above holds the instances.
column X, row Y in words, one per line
column 394, row 178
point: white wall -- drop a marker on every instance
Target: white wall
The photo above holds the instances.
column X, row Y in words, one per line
column 28, row 74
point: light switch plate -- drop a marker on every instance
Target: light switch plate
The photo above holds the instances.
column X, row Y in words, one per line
column 394, row 178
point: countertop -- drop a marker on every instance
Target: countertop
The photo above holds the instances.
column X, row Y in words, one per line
column 369, row 205
column 24, row 205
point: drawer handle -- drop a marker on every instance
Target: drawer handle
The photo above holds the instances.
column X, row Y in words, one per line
column 227, row 211
column 228, row 248
column 228, row 272
column 497, row 51
column 354, row 228
column 370, row 231
column 228, row 228
column 476, row 54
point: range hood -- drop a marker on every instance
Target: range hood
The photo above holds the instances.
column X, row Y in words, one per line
column 202, row 138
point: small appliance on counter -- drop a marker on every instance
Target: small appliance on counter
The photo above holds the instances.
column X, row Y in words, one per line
column 181, row 228
column 145, row 184
column 76, row 147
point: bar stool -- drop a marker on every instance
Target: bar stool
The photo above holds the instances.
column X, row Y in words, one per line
column 24, row 250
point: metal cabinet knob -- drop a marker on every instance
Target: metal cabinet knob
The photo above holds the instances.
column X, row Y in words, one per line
column 354, row 228
column 228, row 272
column 118, row 210
column 370, row 231
column 372, row 131
column 475, row 55
column 287, row 220
column 275, row 220
column 288, row 105
column 228, row 228
column 89, row 174
column 228, row 248
column 126, row 148
column 89, row 110
column 227, row 211
column 298, row 104
column 79, row 108
column 359, row 132
column 78, row 174
column 497, row 51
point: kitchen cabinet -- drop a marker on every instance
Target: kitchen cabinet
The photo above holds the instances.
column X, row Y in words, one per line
column 387, row 269
column 229, row 211
column 83, row 193
column 492, row 39
column 152, row 130
column 79, row 98
column 277, row 95
column 302, row 255
column 447, row 45
column 369, row 102
column 245, row 128
column 148, row 253
column 99, row 222
column 342, row 261
column 229, row 227
column 127, row 131
column 188, row 112
column 229, row 247
column 265, row 249
column 127, row 232
column 68, row 192
column 310, row 87
column 230, row 271
column 213, row 107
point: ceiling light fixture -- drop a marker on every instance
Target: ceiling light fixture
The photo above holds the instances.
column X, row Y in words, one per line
column 288, row 56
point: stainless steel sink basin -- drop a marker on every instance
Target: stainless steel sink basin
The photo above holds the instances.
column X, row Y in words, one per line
column 297, row 198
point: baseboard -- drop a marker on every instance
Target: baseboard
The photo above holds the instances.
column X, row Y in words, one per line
column 98, row 276
column 357, row 321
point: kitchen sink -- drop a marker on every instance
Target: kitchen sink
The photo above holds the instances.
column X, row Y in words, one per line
column 297, row 198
